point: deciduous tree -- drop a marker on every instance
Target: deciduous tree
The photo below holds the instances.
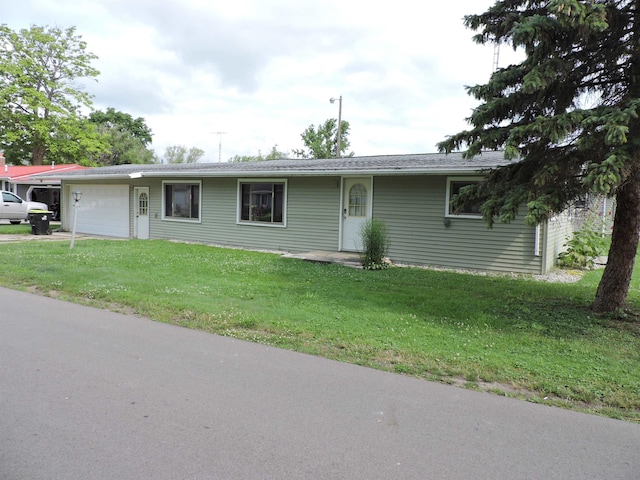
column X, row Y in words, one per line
column 112, row 118
column 321, row 142
column 128, row 138
column 180, row 154
column 568, row 117
column 274, row 154
column 41, row 101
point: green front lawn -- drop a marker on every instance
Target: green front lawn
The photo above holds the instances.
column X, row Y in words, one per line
column 23, row 228
column 7, row 229
column 512, row 336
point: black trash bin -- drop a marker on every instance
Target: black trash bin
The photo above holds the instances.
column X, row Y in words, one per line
column 39, row 220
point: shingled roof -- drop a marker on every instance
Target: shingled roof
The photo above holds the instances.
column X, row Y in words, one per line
column 429, row 163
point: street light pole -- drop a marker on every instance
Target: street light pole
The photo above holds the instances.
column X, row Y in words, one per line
column 76, row 199
column 339, row 134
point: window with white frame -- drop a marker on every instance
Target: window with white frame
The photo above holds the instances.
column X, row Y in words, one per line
column 454, row 184
column 181, row 200
column 262, row 202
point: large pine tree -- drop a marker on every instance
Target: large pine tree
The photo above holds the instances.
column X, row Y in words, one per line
column 568, row 113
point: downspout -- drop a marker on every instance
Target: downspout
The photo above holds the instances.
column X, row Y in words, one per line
column 538, row 252
column 604, row 216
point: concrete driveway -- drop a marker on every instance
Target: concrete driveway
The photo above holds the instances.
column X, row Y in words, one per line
column 91, row 394
column 55, row 235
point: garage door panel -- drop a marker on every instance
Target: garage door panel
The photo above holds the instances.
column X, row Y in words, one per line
column 103, row 210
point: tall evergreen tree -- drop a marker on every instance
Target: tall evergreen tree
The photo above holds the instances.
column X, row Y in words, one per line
column 568, row 114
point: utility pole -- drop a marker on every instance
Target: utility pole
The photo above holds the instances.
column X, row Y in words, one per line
column 339, row 134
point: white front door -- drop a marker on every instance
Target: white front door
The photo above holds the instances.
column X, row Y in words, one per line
column 142, row 212
column 356, row 209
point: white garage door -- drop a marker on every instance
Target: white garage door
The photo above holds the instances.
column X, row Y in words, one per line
column 102, row 210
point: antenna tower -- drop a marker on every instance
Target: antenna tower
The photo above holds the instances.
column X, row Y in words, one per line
column 496, row 56
column 220, row 145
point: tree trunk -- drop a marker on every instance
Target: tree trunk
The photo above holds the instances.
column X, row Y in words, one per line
column 38, row 155
column 614, row 286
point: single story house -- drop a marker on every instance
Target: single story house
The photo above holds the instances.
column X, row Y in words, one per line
column 29, row 182
column 313, row 205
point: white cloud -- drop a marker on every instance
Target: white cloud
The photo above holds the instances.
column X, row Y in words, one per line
column 264, row 70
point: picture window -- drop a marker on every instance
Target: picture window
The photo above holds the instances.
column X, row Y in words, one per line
column 182, row 201
column 262, row 202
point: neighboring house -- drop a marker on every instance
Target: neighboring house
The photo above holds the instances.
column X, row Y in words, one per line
column 313, row 205
column 595, row 212
column 28, row 182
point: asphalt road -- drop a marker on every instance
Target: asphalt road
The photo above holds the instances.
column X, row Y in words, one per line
column 90, row 394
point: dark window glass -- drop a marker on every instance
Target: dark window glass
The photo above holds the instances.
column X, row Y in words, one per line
column 182, row 200
column 10, row 198
column 262, row 202
column 469, row 209
column 168, row 200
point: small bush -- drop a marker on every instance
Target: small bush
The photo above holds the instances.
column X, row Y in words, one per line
column 585, row 246
column 375, row 244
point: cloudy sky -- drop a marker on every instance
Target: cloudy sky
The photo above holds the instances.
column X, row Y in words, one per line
column 264, row 70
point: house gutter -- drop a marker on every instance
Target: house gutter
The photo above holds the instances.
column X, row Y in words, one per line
column 314, row 173
column 270, row 173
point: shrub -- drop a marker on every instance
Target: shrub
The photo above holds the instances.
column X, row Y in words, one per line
column 583, row 248
column 375, row 244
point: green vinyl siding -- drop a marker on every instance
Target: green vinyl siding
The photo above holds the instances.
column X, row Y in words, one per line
column 414, row 209
column 559, row 230
column 313, row 206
